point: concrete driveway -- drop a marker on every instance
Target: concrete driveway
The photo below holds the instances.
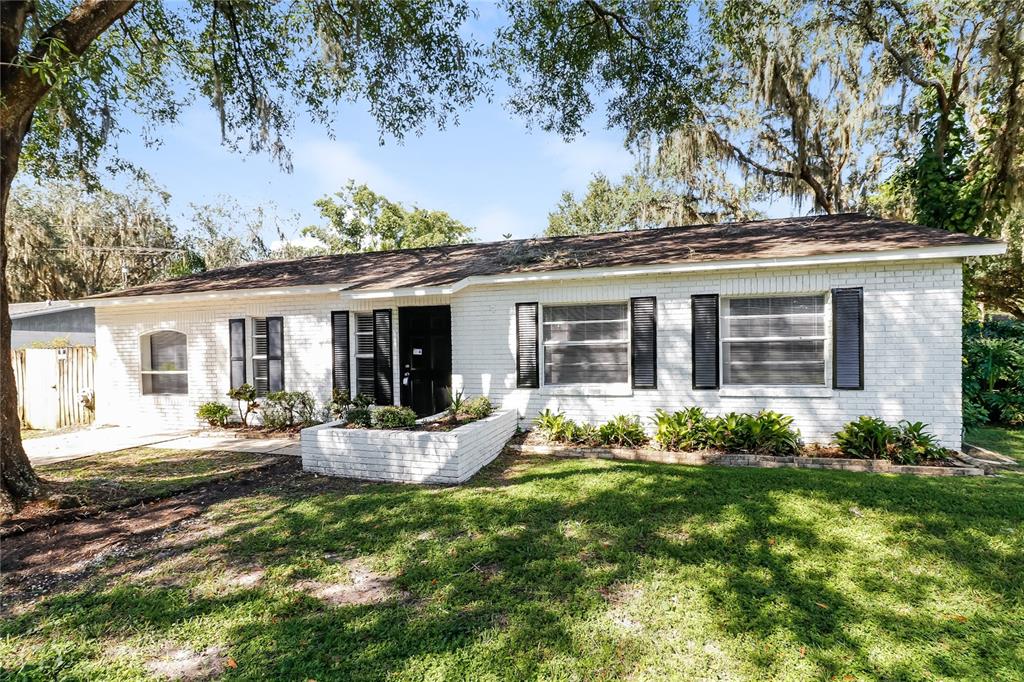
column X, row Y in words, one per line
column 92, row 441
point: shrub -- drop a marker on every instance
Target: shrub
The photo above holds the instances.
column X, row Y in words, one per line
column 244, row 394
column 393, row 417
column 283, row 409
column 557, row 428
column 865, row 438
column 623, row 430
column 214, row 413
column 683, row 430
column 993, row 374
column 479, row 407
column 872, row 438
column 457, row 405
column 768, row 433
column 358, row 416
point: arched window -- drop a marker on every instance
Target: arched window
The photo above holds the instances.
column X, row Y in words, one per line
column 164, row 363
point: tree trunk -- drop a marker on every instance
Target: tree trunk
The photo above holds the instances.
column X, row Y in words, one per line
column 18, row 481
column 22, row 90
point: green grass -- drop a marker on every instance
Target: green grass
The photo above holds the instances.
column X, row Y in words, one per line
column 570, row 569
column 144, row 472
column 1001, row 439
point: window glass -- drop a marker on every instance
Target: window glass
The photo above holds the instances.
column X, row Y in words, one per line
column 164, row 363
column 774, row 341
column 586, row 344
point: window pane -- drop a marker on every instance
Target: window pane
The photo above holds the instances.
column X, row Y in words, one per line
column 586, row 344
column 364, row 376
column 774, row 362
column 779, row 305
column 756, row 327
column 599, row 364
column 167, row 351
column 164, row 384
column 260, row 376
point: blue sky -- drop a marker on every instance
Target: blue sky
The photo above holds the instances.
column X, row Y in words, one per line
column 491, row 172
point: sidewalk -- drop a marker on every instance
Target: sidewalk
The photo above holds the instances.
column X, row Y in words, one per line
column 92, row 441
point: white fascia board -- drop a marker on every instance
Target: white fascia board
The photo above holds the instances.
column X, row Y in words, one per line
column 915, row 254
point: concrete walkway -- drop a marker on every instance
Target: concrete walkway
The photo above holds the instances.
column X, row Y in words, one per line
column 267, row 446
column 93, row 441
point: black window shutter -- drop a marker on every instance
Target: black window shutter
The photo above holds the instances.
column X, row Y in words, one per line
column 236, row 333
column 527, row 370
column 382, row 366
column 339, row 351
column 848, row 339
column 644, row 353
column 275, row 354
column 704, row 311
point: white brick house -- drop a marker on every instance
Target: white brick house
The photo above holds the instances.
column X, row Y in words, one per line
column 824, row 319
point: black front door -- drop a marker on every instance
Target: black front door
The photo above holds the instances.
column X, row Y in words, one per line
column 425, row 345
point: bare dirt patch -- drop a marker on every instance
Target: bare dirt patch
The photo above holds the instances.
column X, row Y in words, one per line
column 180, row 663
column 40, row 561
column 365, row 587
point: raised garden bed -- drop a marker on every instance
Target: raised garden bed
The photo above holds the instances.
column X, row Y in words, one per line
column 533, row 445
column 412, row 455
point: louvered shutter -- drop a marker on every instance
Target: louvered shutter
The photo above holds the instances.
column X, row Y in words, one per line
column 382, row 363
column 527, row 368
column 644, row 353
column 704, row 311
column 275, row 354
column 236, row 334
column 848, row 339
column 339, row 351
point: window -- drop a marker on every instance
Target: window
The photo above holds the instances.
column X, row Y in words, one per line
column 164, row 363
column 364, row 354
column 260, row 364
column 586, row 344
column 774, row 341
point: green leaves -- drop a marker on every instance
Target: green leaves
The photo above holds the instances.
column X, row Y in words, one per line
column 362, row 220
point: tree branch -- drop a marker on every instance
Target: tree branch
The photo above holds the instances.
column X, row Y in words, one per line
column 77, row 31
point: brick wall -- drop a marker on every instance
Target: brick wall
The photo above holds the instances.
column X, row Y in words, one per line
column 911, row 328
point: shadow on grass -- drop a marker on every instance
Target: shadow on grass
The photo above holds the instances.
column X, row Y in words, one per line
column 579, row 568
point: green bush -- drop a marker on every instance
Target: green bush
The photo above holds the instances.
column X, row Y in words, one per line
column 479, row 407
column 683, row 430
column 767, row 432
column 623, row 430
column 214, row 413
column 393, row 417
column 244, row 395
column 558, row 428
column 871, row 438
column 284, row 409
column 457, row 405
column 993, row 373
column 357, row 415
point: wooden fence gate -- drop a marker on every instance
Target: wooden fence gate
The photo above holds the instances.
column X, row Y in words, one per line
column 50, row 383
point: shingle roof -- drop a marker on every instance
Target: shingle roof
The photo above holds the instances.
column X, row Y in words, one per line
column 443, row 265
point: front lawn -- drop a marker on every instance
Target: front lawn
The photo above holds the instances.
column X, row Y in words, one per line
column 565, row 569
column 1004, row 440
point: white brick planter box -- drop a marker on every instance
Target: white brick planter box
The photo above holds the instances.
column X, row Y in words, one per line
column 406, row 456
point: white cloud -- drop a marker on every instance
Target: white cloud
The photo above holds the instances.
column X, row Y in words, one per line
column 580, row 159
column 329, row 164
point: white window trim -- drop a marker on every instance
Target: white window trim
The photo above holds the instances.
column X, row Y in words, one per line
column 779, row 390
column 144, row 359
column 619, row 389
